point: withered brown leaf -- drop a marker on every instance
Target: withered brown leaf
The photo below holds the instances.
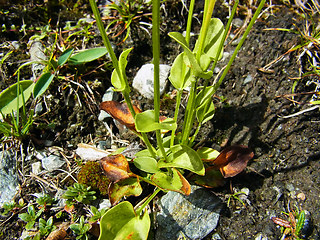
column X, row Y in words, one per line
column 233, row 160
column 120, row 112
column 116, row 167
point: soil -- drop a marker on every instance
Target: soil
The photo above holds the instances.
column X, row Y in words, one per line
column 251, row 108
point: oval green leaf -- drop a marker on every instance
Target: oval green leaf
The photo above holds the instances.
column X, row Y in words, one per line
column 9, row 99
column 171, row 181
column 121, row 222
column 180, row 76
column 146, row 164
column 145, row 122
column 184, row 157
column 207, row 154
column 65, row 56
column 87, row 55
column 42, row 84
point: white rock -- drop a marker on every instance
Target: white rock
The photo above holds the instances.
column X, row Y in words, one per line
column 143, row 81
column 37, row 54
column 36, row 168
column 52, row 163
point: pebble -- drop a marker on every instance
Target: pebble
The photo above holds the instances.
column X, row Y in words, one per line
column 36, row 52
column 8, row 177
column 188, row 217
column 143, row 81
column 52, row 163
column 36, row 168
column 301, row 196
column 109, row 95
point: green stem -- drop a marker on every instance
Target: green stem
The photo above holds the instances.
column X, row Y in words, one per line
column 209, row 6
column 179, row 95
column 104, row 36
column 189, row 22
column 156, row 68
column 190, row 113
column 115, row 63
column 215, row 62
column 139, row 211
column 176, row 113
column 254, row 18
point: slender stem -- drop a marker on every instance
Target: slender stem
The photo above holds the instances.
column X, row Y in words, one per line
column 234, row 9
column 189, row 115
column 209, row 6
column 175, row 118
column 254, row 18
column 189, row 22
column 215, row 63
column 156, row 68
column 104, row 36
column 139, row 211
column 115, row 63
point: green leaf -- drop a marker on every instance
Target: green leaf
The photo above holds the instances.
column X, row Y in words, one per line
column 87, row 55
column 145, row 122
column 212, row 41
column 184, row 157
column 146, row 164
column 65, row 56
column 197, row 71
column 180, row 76
column 8, row 97
column 143, row 153
column 204, row 95
column 172, row 180
column 205, row 112
column 206, row 153
column 42, row 84
column 121, row 222
column 117, row 81
column 126, row 187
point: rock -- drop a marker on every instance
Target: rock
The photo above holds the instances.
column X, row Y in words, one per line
column 247, row 79
column 8, row 177
column 143, row 81
column 109, row 95
column 36, row 168
column 52, row 163
column 37, row 54
column 190, row 217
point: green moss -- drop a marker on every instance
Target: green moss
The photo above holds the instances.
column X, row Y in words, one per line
column 92, row 175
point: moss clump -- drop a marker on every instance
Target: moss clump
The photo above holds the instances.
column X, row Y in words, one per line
column 92, row 175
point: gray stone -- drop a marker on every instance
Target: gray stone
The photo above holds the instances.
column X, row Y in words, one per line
column 52, row 163
column 109, row 95
column 188, row 217
column 143, row 81
column 36, row 52
column 8, row 177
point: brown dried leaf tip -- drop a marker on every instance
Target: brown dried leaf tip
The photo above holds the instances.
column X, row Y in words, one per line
column 233, row 160
column 116, row 167
column 120, row 112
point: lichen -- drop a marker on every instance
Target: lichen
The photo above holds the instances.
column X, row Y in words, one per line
column 92, row 175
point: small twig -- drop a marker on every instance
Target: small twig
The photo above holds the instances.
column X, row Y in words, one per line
column 300, row 112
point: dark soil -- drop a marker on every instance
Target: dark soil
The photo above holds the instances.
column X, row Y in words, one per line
column 284, row 173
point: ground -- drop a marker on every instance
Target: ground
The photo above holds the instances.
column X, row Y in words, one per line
column 251, row 109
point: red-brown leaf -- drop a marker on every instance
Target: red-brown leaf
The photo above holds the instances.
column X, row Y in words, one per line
column 281, row 222
column 233, row 160
column 120, row 112
column 115, row 167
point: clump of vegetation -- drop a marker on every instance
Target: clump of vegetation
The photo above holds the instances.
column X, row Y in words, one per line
column 92, row 176
column 79, row 193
